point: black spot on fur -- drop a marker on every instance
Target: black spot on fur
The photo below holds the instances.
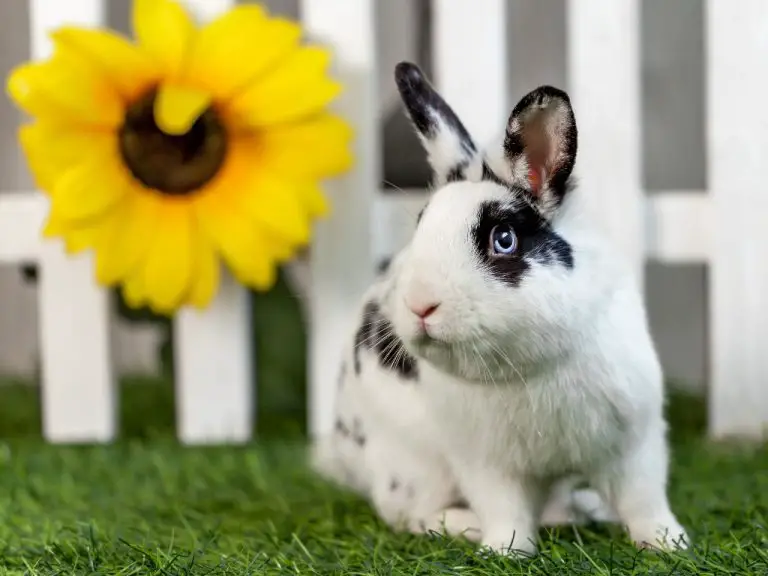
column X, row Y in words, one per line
column 491, row 176
column 426, row 107
column 342, row 374
column 456, row 174
column 420, row 214
column 358, row 436
column 536, row 242
column 354, row 432
column 513, row 144
column 384, row 265
column 377, row 335
column 341, row 428
column 394, row 484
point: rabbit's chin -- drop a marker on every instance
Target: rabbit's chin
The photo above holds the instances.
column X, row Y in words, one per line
column 470, row 360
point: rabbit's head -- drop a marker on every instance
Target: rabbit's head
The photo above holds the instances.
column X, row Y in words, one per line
column 497, row 275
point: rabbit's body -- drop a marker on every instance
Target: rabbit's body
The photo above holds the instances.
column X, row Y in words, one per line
column 506, row 351
column 391, row 441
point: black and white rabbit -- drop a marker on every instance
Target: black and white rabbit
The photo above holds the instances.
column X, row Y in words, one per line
column 505, row 353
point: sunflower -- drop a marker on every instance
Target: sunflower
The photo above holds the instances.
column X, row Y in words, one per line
column 188, row 147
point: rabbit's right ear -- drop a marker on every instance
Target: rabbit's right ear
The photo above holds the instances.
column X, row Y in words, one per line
column 448, row 144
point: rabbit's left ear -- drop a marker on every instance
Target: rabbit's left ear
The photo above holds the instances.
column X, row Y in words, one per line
column 540, row 146
column 449, row 147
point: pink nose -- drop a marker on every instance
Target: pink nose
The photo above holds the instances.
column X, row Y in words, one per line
column 424, row 311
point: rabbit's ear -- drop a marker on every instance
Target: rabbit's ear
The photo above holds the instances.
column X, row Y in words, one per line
column 540, row 146
column 448, row 144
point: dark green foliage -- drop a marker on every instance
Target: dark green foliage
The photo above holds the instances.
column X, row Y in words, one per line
column 280, row 351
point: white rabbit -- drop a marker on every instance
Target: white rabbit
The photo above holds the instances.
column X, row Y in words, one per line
column 505, row 353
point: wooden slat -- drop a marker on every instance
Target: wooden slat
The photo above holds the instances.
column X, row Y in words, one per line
column 78, row 390
column 604, row 84
column 470, row 62
column 678, row 228
column 737, row 124
column 213, row 355
column 21, row 219
column 341, row 263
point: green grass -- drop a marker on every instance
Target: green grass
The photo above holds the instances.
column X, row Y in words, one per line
column 145, row 505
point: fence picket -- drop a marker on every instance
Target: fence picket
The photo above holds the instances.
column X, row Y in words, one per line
column 470, row 60
column 737, row 43
column 604, row 84
column 341, row 256
column 213, row 355
column 78, row 389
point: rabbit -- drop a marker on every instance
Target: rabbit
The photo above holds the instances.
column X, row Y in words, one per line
column 504, row 357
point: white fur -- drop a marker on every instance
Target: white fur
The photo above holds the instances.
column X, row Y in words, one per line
column 524, row 391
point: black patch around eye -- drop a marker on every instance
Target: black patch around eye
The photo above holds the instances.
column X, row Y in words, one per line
column 376, row 334
column 536, row 241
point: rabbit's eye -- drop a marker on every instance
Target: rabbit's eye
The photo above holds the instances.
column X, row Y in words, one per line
column 503, row 239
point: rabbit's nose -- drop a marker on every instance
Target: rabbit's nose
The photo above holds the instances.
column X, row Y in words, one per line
column 423, row 310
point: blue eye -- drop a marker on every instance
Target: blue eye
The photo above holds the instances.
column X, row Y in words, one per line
column 503, row 239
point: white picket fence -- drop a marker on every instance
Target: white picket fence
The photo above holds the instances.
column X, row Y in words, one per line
column 721, row 228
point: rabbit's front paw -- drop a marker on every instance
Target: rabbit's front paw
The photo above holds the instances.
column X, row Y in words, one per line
column 454, row 521
column 510, row 542
column 662, row 534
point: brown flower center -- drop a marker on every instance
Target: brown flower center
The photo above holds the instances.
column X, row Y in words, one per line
column 173, row 165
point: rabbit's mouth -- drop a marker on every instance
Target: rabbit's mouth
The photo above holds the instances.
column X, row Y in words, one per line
column 425, row 340
column 435, row 349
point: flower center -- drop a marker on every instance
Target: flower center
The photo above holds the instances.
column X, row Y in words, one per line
column 173, row 165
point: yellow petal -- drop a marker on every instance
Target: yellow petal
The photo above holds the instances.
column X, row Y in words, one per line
column 177, row 108
column 237, row 47
column 67, row 90
column 205, row 281
column 79, row 240
column 315, row 148
column 51, row 149
column 128, row 240
column 249, row 257
column 92, row 186
column 134, row 291
column 275, row 206
column 294, row 89
column 77, row 237
column 314, row 200
column 271, row 200
column 169, row 262
column 129, row 69
column 164, row 30
column 281, row 250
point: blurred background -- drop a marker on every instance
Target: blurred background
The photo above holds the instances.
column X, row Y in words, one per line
column 673, row 50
